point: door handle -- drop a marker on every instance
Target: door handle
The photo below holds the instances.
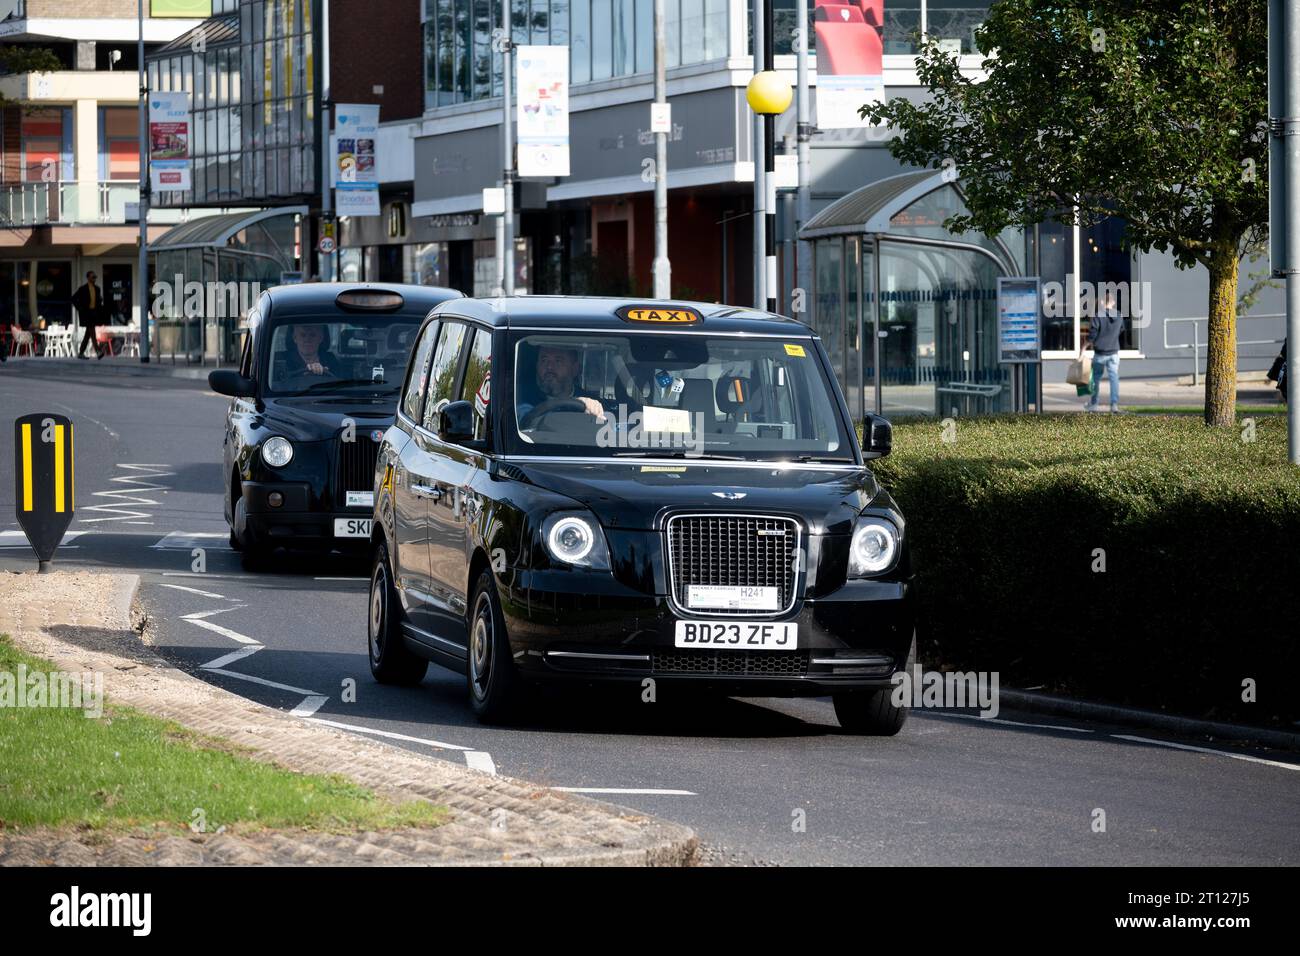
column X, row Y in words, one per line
column 426, row 491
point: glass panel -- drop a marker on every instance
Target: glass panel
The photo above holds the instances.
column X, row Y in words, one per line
column 580, row 42
column 539, row 27
column 560, row 23
column 624, row 41
column 828, row 315
column 673, row 31
column 602, row 39
column 442, row 373
column 1106, row 267
column 645, row 36
column 418, row 373
column 715, row 30
column 1055, row 263
column 902, row 26
column 868, row 329
column 692, row 31
column 477, row 368
column 482, row 48
column 954, row 22
column 852, row 314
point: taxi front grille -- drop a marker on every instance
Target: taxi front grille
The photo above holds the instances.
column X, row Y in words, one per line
column 731, row 663
column 357, row 464
column 733, row 550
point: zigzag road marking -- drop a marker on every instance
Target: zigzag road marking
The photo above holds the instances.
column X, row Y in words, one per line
column 124, row 498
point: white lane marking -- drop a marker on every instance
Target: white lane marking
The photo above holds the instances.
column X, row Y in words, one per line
column 233, row 656
column 199, row 615
column 181, row 587
column 196, row 574
column 189, row 540
column 1207, row 750
column 341, row 579
column 262, row 680
column 18, row 539
column 223, row 631
column 123, row 498
column 1017, row 723
column 391, row 735
column 72, row 411
column 309, row 706
column 480, row 760
column 631, row 791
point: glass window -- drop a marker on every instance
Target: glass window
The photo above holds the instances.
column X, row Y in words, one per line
column 442, row 373
column 464, row 49
column 828, row 319
column 624, row 59
column 715, row 30
column 673, row 31
column 540, row 25
column 477, row 385
column 417, row 376
column 482, row 49
column 606, row 393
column 692, row 31
column 446, row 51
column 602, row 39
column 580, row 44
column 954, row 22
column 902, row 33
column 351, row 356
column 560, row 22
column 645, row 36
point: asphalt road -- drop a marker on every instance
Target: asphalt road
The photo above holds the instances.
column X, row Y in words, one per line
column 766, row 781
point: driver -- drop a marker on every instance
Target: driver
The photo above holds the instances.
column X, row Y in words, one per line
column 557, row 370
column 310, row 353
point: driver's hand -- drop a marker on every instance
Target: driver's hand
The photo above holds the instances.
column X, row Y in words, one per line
column 316, row 368
column 593, row 407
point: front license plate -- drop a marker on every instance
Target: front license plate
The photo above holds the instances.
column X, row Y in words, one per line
column 737, row 635
column 351, row 527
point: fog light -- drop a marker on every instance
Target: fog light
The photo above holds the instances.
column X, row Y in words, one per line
column 275, row 499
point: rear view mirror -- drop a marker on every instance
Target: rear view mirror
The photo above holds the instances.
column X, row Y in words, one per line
column 877, row 437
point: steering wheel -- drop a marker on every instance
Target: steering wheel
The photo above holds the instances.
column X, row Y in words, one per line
column 304, row 378
column 533, row 419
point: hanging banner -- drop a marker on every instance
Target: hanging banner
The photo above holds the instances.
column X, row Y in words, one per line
column 356, row 175
column 543, row 110
column 169, row 142
column 850, row 50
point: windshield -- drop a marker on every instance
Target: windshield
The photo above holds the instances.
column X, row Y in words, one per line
column 353, row 355
column 612, row 394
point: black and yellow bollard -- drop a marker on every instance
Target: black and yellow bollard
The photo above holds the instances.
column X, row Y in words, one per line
column 44, row 486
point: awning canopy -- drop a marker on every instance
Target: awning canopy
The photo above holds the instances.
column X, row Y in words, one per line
column 871, row 208
column 217, row 231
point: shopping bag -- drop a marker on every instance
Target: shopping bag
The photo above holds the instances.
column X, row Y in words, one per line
column 1080, row 371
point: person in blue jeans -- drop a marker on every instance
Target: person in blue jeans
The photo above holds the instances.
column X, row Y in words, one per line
column 1103, row 338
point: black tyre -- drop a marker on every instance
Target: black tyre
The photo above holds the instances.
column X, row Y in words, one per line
column 872, row 713
column 391, row 661
column 495, row 690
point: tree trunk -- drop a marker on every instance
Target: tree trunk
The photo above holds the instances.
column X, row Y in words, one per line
column 1221, row 353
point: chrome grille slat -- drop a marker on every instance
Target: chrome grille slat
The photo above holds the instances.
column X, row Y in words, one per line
column 356, row 470
column 730, row 663
column 729, row 550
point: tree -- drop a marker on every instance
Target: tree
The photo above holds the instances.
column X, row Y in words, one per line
column 1155, row 111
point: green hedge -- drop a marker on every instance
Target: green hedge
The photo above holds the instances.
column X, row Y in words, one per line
column 1200, row 530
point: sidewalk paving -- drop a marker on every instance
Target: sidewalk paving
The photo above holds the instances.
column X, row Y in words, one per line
column 82, row 622
column 1060, row 397
column 112, row 365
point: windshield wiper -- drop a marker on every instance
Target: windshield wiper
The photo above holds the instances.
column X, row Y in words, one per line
column 660, row 453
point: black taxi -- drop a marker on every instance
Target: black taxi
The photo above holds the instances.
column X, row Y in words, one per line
column 318, row 378
column 608, row 490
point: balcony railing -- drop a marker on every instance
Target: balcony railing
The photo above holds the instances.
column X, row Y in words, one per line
column 37, row 204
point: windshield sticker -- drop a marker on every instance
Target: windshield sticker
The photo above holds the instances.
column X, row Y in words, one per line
column 795, row 350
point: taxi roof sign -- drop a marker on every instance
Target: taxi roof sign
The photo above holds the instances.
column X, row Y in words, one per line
column 660, row 314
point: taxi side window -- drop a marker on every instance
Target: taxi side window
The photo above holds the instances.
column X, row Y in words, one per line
column 246, row 351
column 442, row 373
column 417, row 376
column 477, row 384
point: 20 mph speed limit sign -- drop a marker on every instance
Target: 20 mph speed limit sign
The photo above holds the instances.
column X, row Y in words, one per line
column 325, row 245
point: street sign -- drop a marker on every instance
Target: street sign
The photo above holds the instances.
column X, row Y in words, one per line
column 325, row 244
column 44, row 486
column 661, row 117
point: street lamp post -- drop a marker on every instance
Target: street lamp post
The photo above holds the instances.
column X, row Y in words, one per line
column 760, row 187
column 662, row 267
column 767, row 95
column 803, row 133
column 142, row 267
column 508, row 151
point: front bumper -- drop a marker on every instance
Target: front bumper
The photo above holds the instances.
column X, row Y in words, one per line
column 588, row 626
column 295, row 523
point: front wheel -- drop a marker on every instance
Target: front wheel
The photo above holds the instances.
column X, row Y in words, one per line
column 493, row 682
column 873, row 713
column 391, row 661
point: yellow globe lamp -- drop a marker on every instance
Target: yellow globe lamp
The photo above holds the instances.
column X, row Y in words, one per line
column 767, row 93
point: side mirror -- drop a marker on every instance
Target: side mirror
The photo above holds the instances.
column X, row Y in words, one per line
column 877, row 437
column 225, row 381
column 456, row 423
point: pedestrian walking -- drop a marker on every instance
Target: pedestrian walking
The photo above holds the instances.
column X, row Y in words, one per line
column 90, row 305
column 1103, row 337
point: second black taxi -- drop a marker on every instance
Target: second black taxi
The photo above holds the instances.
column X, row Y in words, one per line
column 592, row 489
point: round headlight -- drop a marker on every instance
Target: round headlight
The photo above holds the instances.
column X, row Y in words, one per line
column 277, row 452
column 873, row 547
column 571, row 540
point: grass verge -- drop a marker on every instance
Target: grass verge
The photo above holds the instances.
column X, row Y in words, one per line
column 126, row 770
